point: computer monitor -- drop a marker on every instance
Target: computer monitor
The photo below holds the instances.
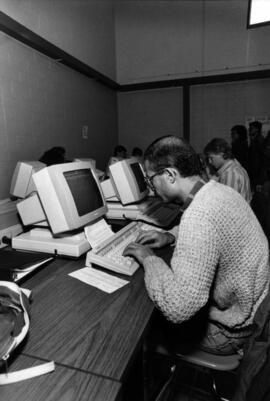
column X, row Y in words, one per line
column 22, row 183
column 126, row 182
column 70, row 195
column 86, row 159
column 93, row 162
column 68, row 198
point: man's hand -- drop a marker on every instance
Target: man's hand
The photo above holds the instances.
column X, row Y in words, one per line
column 145, row 241
column 138, row 251
column 155, row 239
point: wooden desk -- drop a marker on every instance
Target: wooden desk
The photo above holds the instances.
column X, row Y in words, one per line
column 63, row 384
column 82, row 327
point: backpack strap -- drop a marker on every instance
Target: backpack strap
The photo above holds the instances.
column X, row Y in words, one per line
column 19, row 375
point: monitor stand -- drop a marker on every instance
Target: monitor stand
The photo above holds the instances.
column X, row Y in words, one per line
column 42, row 240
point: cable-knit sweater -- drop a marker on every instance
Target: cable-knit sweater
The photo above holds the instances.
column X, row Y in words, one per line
column 221, row 257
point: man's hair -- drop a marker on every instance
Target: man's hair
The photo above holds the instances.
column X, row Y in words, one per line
column 241, row 131
column 219, row 145
column 55, row 155
column 119, row 149
column 256, row 124
column 137, row 152
column 171, row 151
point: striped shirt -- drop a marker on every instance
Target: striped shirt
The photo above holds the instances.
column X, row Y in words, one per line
column 236, row 177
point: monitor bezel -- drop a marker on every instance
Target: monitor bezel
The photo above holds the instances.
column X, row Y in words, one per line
column 57, row 200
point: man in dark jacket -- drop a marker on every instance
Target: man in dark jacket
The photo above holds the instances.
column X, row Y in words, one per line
column 255, row 154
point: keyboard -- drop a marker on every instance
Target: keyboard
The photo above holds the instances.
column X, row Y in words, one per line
column 109, row 253
column 152, row 211
column 161, row 214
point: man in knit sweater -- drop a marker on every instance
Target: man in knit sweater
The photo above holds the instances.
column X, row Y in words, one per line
column 220, row 263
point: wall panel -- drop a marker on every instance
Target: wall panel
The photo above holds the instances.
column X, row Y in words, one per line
column 144, row 116
column 216, row 108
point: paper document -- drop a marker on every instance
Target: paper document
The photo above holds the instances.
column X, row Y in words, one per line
column 98, row 279
column 97, row 233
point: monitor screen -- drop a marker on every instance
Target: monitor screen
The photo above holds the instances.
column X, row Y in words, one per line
column 127, row 178
column 70, row 196
column 83, row 189
column 139, row 176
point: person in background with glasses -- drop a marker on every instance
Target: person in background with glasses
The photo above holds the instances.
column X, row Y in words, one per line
column 219, row 272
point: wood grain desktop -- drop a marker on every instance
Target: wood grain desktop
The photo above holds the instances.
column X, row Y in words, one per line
column 82, row 327
column 63, row 384
column 93, row 337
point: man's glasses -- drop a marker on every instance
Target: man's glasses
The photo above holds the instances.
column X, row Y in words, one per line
column 149, row 180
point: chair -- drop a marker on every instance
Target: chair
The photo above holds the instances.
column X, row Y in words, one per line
column 202, row 362
column 211, row 364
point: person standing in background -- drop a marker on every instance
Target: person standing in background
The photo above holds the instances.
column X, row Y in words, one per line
column 229, row 170
column 239, row 144
column 255, row 155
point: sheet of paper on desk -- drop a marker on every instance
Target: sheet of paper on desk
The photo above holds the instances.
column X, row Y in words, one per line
column 103, row 281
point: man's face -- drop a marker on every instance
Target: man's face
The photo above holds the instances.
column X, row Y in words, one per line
column 216, row 160
column 157, row 182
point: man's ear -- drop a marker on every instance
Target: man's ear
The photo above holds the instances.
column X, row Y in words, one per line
column 171, row 174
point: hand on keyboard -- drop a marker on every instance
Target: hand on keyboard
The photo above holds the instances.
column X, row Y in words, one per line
column 144, row 243
column 155, row 239
column 109, row 253
column 138, row 251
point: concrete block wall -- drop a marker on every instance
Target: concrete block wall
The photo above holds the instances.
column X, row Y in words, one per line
column 45, row 104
